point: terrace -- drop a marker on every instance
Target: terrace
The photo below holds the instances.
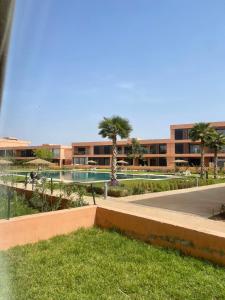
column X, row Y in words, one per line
column 97, row 260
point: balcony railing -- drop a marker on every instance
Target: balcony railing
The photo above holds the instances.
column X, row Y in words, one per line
column 81, row 153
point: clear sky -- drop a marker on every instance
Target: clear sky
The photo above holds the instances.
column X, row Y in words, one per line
column 71, row 62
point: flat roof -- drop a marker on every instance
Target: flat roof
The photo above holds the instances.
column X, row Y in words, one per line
column 190, row 125
column 122, row 142
column 34, row 147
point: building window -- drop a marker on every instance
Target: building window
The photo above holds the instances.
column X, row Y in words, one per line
column 159, row 161
column 96, row 150
column 193, row 162
column 221, row 130
column 102, row 150
column 146, row 148
column 178, row 134
column 56, row 153
column 9, row 153
column 179, row 148
column 102, row 161
column 80, row 151
column 162, row 162
column 107, row 150
column 105, row 162
column 2, row 153
column 119, row 150
column 153, row 162
column 79, row 161
column 162, row 148
column 153, row 149
column 26, row 153
column 182, row 134
column 194, row 148
column 126, row 150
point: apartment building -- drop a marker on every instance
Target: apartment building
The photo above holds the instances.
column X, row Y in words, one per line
column 160, row 153
column 62, row 155
column 13, row 142
column 188, row 150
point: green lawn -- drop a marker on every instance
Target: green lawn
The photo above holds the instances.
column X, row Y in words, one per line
column 97, row 264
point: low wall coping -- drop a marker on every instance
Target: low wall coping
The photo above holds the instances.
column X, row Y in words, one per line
column 195, row 223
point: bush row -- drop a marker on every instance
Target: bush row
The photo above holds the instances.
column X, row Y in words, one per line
column 141, row 187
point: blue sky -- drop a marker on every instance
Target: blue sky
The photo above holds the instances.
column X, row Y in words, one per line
column 72, row 62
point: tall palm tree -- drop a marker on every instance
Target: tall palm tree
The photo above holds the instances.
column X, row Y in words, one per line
column 201, row 132
column 216, row 142
column 113, row 128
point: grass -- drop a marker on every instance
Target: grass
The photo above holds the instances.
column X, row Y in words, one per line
column 98, row 264
column 18, row 205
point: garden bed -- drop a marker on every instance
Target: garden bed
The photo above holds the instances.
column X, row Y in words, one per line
column 219, row 217
column 140, row 186
column 15, row 202
column 99, row 264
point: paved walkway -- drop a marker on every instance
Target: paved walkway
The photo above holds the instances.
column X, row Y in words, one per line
column 203, row 202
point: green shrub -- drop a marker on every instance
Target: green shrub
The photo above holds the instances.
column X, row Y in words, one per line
column 117, row 192
column 138, row 189
column 97, row 189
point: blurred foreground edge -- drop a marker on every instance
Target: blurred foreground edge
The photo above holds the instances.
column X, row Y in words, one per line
column 6, row 16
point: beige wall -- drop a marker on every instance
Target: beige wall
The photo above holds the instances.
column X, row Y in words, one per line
column 42, row 226
column 205, row 244
column 13, row 143
column 190, row 241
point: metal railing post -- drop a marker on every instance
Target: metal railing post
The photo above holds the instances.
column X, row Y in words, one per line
column 51, row 186
column 105, row 190
column 197, row 181
column 26, row 180
column 9, row 204
column 93, row 193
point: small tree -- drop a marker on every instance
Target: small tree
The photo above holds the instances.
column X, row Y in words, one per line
column 216, row 142
column 201, row 132
column 44, row 153
column 112, row 128
column 136, row 150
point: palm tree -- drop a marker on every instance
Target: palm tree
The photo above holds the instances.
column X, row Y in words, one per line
column 216, row 142
column 136, row 150
column 201, row 132
column 112, row 128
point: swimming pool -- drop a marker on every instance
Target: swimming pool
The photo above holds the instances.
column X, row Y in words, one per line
column 90, row 176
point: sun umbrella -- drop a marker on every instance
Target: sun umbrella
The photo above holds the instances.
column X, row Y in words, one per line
column 38, row 161
column 5, row 162
column 122, row 162
column 92, row 162
column 181, row 161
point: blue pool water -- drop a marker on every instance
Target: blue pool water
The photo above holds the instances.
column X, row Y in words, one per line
column 80, row 176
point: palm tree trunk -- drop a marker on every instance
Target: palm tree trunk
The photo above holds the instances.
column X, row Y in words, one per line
column 202, row 160
column 215, row 164
column 114, row 163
